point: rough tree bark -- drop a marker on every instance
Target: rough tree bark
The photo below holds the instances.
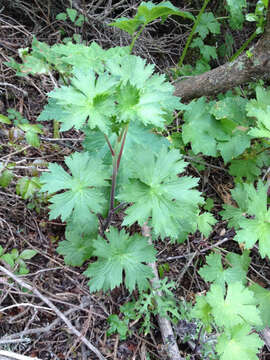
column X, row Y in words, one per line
column 242, row 70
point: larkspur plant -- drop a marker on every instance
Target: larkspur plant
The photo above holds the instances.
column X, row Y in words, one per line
column 122, row 105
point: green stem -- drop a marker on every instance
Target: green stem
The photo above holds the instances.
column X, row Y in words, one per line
column 180, row 63
column 242, row 48
column 136, row 37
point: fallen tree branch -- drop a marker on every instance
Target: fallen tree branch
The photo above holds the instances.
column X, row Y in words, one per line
column 245, row 68
column 55, row 309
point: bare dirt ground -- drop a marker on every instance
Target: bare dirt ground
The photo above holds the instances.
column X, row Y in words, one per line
column 33, row 320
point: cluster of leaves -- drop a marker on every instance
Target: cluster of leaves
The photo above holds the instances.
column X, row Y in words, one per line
column 16, row 260
column 226, row 128
column 232, row 306
column 149, row 303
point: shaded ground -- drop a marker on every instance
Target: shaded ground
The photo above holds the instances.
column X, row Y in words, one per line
column 27, row 325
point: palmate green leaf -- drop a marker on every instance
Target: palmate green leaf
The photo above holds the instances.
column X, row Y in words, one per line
column 261, row 131
column 81, row 56
column 207, row 24
column 121, row 253
column 157, row 192
column 142, row 96
column 236, row 269
column 131, row 69
column 86, row 98
column 247, row 168
column 83, row 188
column 233, row 308
column 207, row 51
column 205, row 222
column 201, row 129
column 239, row 343
column 76, row 249
column 257, row 226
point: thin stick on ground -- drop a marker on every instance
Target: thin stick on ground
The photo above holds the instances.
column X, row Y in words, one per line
column 164, row 324
column 8, row 355
column 55, row 309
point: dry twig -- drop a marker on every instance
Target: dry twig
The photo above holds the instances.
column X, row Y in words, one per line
column 55, row 309
column 164, row 324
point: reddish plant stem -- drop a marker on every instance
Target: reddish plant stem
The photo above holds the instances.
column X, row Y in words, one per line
column 116, row 163
column 109, row 144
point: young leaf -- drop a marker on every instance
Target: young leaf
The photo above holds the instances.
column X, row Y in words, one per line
column 156, row 191
column 207, row 51
column 26, row 187
column 27, row 254
column 86, row 98
column 121, row 253
column 61, row 16
column 82, row 193
column 235, row 308
column 260, row 109
column 72, row 13
column 214, row 271
column 8, row 258
column 207, row 24
column 205, row 222
column 142, row 97
column 76, row 249
column 5, row 178
column 31, row 132
column 236, row 13
column 239, row 343
column 256, row 227
column 118, row 326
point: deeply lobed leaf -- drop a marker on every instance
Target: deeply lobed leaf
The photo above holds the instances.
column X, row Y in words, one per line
column 121, row 254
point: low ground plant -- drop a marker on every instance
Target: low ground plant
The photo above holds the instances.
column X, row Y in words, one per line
column 123, row 106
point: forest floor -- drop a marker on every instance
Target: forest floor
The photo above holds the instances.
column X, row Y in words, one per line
column 29, row 325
